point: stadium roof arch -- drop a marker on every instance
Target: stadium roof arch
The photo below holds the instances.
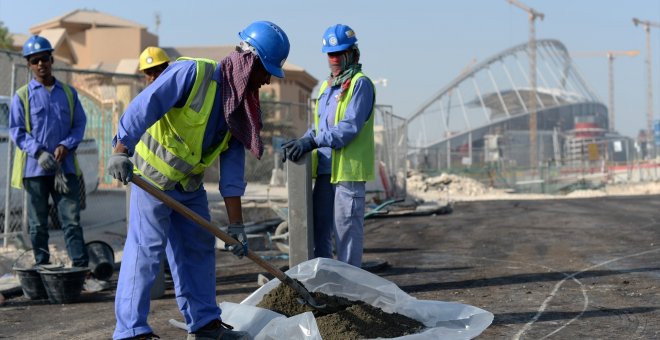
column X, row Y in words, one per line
column 494, row 95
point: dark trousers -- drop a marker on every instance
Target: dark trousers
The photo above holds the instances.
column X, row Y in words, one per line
column 39, row 189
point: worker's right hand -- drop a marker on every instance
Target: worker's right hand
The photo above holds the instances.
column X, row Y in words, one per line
column 285, row 147
column 120, row 167
column 237, row 231
column 47, row 161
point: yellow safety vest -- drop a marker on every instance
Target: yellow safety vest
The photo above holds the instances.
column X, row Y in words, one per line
column 170, row 151
column 355, row 161
column 20, row 156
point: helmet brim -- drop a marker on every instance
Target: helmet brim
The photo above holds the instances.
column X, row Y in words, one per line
column 143, row 67
column 273, row 70
column 337, row 48
column 27, row 56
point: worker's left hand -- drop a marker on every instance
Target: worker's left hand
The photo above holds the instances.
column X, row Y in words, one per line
column 237, row 231
column 60, row 153
column 295, row 149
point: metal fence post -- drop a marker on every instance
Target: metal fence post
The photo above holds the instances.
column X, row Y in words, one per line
column 301, row 223
column 7, row 206
column 9, row 170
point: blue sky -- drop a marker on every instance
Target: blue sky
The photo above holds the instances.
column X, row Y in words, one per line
column 418, row 46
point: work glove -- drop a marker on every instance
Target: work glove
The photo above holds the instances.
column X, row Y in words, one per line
column 47, row 161
column 120, row 167
column 285, row 150
column 237, row 231
column 294, row 149
column 61, row 185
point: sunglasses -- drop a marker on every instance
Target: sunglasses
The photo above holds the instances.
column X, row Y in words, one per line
column 43, row 59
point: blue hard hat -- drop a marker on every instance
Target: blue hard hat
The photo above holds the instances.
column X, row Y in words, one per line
column 36, row 44
column 338, row 38
column 271, row 44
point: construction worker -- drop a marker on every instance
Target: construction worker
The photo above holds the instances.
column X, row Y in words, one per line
column 175, row 128
column 47, row 122
column 153, row 61
column 342, row 145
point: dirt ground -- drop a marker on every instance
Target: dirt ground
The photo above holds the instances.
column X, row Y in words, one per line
column 585, row 268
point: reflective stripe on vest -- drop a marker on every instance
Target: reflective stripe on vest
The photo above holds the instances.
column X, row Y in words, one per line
column 150, row 172
column 170, row 151
column 355, row 161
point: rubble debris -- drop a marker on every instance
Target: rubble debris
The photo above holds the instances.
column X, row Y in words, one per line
column 453, row 185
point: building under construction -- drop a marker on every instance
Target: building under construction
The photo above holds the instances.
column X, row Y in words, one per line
column 489, row 118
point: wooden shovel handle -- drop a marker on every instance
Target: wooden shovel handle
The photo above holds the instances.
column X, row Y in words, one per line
column 193, row 216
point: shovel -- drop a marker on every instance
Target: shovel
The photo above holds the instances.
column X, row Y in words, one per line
column 185, row 211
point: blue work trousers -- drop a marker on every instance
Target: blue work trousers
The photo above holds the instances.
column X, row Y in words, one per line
column 39, row 189
column 154, row 230
column 339, row 212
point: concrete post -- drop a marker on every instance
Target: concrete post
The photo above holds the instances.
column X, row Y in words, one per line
column 158, row 289
column 301, row 223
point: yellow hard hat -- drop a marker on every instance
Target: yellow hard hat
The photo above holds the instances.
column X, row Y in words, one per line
column 152, row 56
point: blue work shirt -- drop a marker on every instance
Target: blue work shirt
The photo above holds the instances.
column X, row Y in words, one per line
column 171, row 89
column 50, row 123
column 331, row 136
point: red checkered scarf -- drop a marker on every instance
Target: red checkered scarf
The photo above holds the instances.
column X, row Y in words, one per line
column 241, row 105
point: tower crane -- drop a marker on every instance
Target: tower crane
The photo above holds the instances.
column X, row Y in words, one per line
column 532, row 15
column 649, row 76
column 610, row 59
column 157, row 18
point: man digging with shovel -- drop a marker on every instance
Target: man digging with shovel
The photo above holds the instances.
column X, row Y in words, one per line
column 195, row 111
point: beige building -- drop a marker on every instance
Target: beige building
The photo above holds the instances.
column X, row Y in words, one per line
column 292, row 93
column 87, row 40
column 92, row 40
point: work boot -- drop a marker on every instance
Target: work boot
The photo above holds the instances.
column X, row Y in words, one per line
column 218, row 330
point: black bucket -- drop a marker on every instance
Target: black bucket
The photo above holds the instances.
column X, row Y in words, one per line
column 31, row 283
column 63, row 285
column 101, row 259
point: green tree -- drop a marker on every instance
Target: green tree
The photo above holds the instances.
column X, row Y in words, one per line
column 6, row 42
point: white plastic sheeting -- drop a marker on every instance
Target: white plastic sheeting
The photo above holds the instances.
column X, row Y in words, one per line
column 445, row 320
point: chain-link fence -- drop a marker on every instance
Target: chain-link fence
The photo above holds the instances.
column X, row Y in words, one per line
column 390, row 139
column 391, row 147
column 12, row 213
column 278, row 127
column 104, row 97
column 572, row 161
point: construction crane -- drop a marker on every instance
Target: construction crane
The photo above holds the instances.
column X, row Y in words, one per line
column 610, row 59
column 532, row 15
column 649, row 76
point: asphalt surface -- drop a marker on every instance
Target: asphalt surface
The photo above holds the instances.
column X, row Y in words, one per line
column 559, row 269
